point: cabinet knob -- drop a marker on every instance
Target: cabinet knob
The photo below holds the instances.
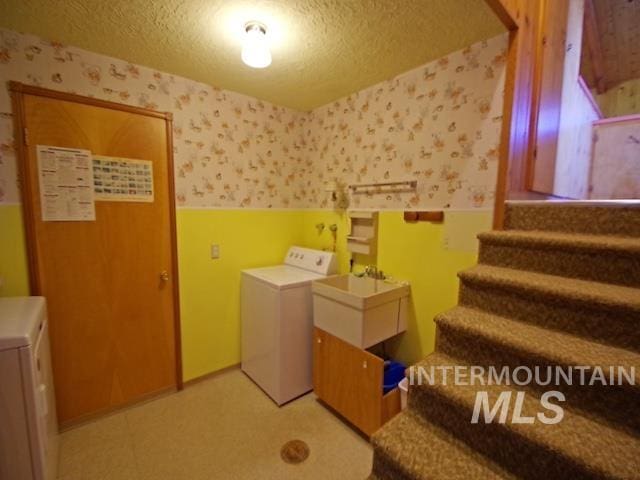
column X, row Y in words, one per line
column 364, row 364
column 319, row 340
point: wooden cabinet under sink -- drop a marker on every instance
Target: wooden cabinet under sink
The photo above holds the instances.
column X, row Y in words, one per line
column 349, row 380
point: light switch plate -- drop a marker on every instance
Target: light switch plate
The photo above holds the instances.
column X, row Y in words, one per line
column 215, row 251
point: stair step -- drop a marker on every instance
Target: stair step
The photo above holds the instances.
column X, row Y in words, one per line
column 541, row 285
column 410, row 448
column 553, row 348
column 591, row 257
column 485, row 339
column 565, row 241
column 601, row 311
column 576, row 447
column 615, row 218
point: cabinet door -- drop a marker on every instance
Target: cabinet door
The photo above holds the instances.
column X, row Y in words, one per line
column 349, row 380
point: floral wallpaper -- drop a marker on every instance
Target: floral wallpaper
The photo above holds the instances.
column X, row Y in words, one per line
column 230, row 150
column 438, row 124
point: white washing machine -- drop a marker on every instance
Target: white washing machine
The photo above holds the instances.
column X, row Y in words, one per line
column 28, row 424
column 277, row 322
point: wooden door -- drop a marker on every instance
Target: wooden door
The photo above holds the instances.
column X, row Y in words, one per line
column 349, row 380
column 110, row 284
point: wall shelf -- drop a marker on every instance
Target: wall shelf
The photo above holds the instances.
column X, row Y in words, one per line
column 359, row 239
column 364, row 232
column 436, row 216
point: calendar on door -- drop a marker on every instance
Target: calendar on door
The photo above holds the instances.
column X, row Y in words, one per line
column 122, row 179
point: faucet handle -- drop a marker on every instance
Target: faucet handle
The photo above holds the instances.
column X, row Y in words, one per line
column 372, row 271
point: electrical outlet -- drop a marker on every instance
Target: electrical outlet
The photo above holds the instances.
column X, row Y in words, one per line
column 215, row 251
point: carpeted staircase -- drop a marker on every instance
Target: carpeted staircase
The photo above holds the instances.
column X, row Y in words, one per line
column 559, row 286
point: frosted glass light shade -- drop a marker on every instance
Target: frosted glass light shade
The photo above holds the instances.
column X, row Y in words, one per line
column 255, row 51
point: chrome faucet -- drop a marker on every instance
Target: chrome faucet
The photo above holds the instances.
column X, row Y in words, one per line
column 372, row 271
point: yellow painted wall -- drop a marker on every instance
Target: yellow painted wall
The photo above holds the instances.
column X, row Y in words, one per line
column 310, row 237
column 13, row 256
column 210, row 289
column 416, row 252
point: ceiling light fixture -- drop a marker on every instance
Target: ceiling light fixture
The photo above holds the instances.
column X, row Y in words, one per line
column 255, row 51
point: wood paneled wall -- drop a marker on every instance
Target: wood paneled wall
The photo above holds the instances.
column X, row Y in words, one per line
column 574, row 158
column 551, row 81
column 615, row 172
column 612, row 41
column 533, row 87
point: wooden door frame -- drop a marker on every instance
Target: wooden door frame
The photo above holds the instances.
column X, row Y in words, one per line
column 522, row 19
column 17, row 91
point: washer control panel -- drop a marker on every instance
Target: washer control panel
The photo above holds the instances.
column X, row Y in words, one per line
column 319, row 261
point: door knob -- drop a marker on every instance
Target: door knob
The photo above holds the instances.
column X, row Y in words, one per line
column 164, row 276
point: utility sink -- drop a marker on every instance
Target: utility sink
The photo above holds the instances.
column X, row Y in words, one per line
column 360, row 310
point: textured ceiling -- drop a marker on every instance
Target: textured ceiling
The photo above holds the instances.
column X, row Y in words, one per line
column 618, row 25
column 322, row 49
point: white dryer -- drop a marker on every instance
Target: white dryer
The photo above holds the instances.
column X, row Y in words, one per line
column 28, row 425
column 277, row 322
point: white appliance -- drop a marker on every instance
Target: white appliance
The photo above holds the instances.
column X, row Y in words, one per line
column 277, row 322
column 28, row 424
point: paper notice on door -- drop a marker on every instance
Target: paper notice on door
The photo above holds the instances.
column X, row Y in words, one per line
column 66, row 184
column 122, row 179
